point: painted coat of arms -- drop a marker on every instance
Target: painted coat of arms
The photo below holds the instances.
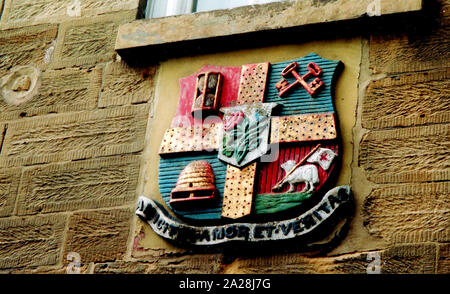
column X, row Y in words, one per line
column 250, row 156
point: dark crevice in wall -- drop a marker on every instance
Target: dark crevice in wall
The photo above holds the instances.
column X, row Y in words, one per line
column 2, row 7
column 141, row 9
column 2, row 138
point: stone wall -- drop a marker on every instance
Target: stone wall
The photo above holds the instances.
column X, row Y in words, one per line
column 404, row 134
column 71, row 157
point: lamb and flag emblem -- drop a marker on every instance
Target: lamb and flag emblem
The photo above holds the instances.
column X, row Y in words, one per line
column 324, row 157
column 250, row 157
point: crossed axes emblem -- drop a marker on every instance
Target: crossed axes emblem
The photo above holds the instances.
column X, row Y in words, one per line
column 283, row 86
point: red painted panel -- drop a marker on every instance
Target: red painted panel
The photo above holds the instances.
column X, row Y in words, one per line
column 230, row 88
column 271, row 173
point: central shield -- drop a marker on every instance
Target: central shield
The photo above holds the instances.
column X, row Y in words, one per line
column 247, row 147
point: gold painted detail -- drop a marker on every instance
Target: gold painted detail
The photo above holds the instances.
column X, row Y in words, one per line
column 305, row 127
column 195, row 185
column 197, row 138
column 252, row 85
column 196, row 175
column 238, row 192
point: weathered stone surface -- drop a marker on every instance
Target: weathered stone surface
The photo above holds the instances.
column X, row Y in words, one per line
column 409, row 213
column 98, row 236
column 60, row 91
column 34, row 241
column 415, row 50
column 121, row 267
column 79, row 185
column 443, row 266
column 88, row 41
column 9, row 184
column 125, row 85
column 420, row 258
column 25, row 46
column 411, row 259
column 20, row 85
column 19, row 12
column 195, row 264
column 417, row 154
column 75, row 136
column 53, row 270
column 249, row 19
column 292, row 264
column 408, row 100
column 187, row 264
column 277, row 264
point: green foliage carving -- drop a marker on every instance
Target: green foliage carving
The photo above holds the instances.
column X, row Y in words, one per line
column 244, row 137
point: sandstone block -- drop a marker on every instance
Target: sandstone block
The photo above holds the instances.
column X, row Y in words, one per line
column 98, row 236
column 412, row 259
column 413, row 51
column 75, row 136
column 25, row 46
column 407, row 100
column 19, row 12
column 443, row 266
column 34, row 241
column 398, row 259
column 121, row 267
column 409, row 213
column 88, row 41
column 86, row 184
column 53, row 270
column 355, row 263
column 416, row 154
column 60, row 91
column 9, row 185
column 409, row 259
column 277, row 264
column 124, row 85
column 188, row 264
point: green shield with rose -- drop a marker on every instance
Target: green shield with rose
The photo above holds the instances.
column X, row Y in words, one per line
column 245, row 134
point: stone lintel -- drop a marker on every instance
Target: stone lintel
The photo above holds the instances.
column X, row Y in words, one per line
column 162, row 33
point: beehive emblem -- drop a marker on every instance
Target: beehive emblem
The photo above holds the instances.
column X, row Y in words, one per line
column 196, row 184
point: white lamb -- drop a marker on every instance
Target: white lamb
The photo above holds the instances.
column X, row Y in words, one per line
column 307, row 174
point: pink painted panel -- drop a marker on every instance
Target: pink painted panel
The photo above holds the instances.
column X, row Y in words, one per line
column 230, row 88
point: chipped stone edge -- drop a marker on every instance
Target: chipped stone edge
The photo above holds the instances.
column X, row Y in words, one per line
column 148, row 32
